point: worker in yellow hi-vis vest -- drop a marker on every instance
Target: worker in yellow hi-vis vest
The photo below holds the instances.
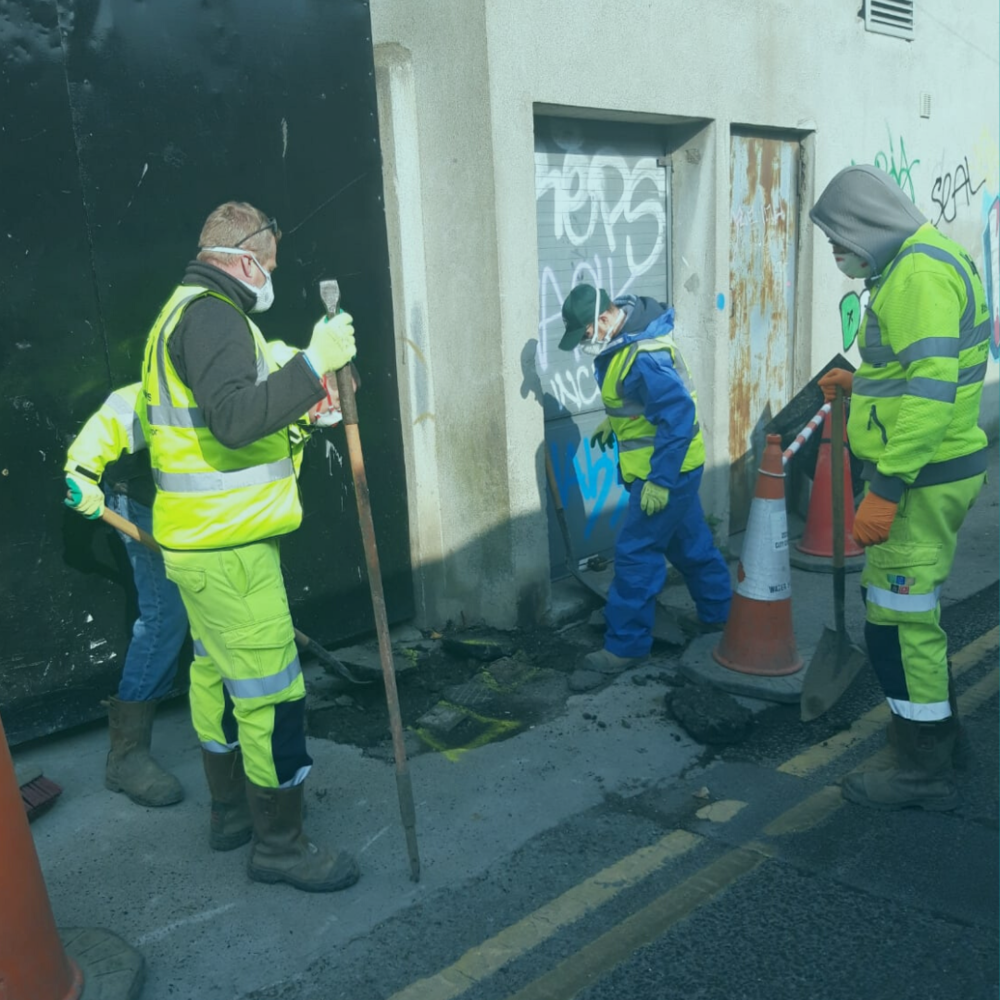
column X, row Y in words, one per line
column 218, row 408
column 652, row 416
column 914, row 422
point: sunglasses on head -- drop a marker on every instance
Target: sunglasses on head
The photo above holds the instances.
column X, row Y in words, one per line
column 271, row 224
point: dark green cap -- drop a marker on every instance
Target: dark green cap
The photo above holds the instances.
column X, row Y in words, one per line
column 578, row 313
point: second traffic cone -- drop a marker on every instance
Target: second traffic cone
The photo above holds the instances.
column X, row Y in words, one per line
column 758, row 637
column 817, row 539
column 33, row 964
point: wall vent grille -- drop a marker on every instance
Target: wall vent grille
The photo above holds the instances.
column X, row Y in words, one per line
column 890, row 17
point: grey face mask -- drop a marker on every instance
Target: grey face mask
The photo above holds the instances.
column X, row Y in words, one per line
column 264, row 296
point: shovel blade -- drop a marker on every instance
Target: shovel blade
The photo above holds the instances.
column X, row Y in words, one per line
column 834, row 665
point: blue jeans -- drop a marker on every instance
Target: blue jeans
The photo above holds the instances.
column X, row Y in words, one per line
column 679, row 532
column 160, row 629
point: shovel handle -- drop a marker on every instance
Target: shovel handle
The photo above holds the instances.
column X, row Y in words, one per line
column 837, row 484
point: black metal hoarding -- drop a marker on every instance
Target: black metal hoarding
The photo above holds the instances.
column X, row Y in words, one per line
column 122, row 125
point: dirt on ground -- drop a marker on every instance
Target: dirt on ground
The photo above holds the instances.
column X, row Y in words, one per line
column 455, row 688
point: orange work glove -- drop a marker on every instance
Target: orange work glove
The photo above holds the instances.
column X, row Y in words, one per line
column 873, row 520
column 834, row 377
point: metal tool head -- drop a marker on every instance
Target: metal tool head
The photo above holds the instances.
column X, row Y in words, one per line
column 329, row 292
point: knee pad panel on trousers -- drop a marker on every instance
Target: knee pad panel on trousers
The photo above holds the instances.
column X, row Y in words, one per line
column 288, row 739
column 886, row 657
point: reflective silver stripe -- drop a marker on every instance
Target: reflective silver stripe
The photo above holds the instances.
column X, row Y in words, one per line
column 932, row 388
column 262, row 369
column 175, row 416
column 161, row 349
column 970, row 376
column 262, row 687
column 921, row 388
column 934, row 711
column 220, row 482
column 902, row 602
column 300, row 775
column 635, row 444
column 879, row 388
column 127, row 419
column 630, row 408
column 199, row 648
column 929, row 347
column 213, row 747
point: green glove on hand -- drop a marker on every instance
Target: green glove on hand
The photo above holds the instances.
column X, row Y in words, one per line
column 332, row 344
column 653, row 498
column 604, row 436
column 84, row 497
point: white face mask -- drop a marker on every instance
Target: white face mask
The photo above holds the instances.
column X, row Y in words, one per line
column 853, row 265
column 593, row 346
column 264, row 296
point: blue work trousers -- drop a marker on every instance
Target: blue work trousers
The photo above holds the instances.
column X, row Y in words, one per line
column 160, row 630
column 680, row 533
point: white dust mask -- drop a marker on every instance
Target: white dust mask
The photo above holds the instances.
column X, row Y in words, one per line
column 853, row 265
column 263, row 296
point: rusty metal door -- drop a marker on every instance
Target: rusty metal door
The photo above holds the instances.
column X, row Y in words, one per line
column 602, row 202
column 763, row 235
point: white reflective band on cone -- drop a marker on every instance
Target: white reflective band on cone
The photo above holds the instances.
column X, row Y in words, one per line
column 768, row 575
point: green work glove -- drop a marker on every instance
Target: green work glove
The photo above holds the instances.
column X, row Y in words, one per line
column 332, row 344
column 84, row 497
column 653, row 498
column 604, row 436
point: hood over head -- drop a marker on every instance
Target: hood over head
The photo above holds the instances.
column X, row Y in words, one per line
column 864, row 210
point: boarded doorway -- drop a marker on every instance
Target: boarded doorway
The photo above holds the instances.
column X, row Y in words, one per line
column 602, row 197
column 764, row 172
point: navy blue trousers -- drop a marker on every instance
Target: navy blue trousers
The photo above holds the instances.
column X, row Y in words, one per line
column 682, row 535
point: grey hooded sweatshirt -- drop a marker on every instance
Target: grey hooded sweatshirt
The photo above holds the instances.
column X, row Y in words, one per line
column 864, row 210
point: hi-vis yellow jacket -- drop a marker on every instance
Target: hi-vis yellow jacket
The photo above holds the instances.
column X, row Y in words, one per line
column 115, row 429
column 209, row 496
column 924, row 346
column 636, row 434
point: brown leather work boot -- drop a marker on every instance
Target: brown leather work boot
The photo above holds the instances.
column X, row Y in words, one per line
column 130, row 768
column 283, row 853
column 922, row 774
column 231, row 825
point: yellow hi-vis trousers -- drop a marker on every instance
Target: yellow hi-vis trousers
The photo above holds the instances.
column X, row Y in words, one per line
column 901, row 585
column 246, row 681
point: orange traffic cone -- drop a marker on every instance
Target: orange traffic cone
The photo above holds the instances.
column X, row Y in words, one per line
column 33, row 962
column 758, row 637
column 817, row 539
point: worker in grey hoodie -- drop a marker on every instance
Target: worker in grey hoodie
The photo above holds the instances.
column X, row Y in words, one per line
column 914, row 422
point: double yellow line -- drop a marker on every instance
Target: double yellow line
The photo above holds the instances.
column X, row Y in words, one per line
column 646, row 925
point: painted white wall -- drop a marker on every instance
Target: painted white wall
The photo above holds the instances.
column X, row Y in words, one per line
column 459, row 84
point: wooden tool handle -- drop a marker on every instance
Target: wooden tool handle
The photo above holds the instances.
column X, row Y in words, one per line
column 837, row 483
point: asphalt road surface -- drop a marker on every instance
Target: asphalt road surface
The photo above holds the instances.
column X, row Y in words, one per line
column 749, row 879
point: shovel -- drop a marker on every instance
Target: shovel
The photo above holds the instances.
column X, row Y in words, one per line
column 329, row 292
column 837, row 660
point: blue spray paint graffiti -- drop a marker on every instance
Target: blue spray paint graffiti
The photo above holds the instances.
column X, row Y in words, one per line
column 595, row 475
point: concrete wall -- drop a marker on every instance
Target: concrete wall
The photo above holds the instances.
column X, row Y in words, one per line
column 460, row 82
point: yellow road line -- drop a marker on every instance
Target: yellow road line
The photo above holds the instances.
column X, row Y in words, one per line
column 590, row 963
column 485, row 959
column 586, row 966
column 824, row 753
column 646, row 925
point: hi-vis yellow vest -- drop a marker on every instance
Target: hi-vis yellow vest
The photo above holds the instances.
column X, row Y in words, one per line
column 636, row 435
column 209, row 496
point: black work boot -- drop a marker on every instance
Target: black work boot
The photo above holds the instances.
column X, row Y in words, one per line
column 922, row 774
column 231, row 826
column 130, row 768
column 283, row 853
